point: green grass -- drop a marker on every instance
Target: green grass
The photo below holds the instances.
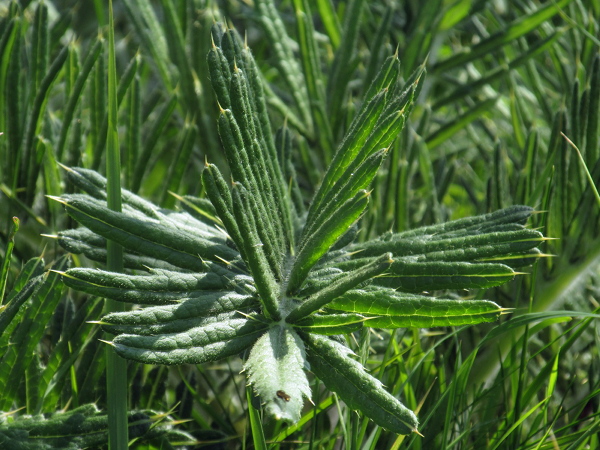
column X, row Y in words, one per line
column 503, row 82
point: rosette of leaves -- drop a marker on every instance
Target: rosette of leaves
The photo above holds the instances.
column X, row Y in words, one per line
column 249, row 268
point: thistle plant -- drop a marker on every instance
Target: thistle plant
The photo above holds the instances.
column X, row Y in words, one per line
column 250, row 270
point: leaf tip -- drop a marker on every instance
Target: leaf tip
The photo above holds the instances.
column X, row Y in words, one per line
column 59, row 272
column 57, row 199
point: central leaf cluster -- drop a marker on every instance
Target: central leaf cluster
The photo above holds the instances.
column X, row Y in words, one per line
column 256, row 270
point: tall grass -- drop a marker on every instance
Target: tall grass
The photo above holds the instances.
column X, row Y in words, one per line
column 504, row 80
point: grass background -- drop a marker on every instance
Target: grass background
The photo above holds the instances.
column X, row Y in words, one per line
column 505, row 79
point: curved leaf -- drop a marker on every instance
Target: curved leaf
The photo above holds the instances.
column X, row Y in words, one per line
column 331, row 362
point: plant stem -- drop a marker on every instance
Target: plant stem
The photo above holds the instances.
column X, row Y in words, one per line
column 116, row 376
column 6, row 263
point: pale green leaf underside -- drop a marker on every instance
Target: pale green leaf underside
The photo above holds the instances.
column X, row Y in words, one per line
column 276, row 371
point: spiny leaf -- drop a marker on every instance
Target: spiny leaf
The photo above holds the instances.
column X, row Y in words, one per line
column 387, row 308
column 332, row 324
column 324, row 237
column 331, row 362
column 197, row 345
column 424, row 276
column 338, row 287
column 257, row 260
column 158, row 287
column 163, row 320
column 181, row 247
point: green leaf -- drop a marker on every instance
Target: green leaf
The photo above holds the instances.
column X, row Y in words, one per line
column 331, row 324
column 158, row 287
column 26, row 286
column 197, row 345
column 331, row 362
column 183, row 246
column 82, row 427
column 75, row 94
column 374, row 127
column 75, row 341
column 206, row 308
column 519, row 27
column 471, row 247
column 257, row 259
column 276, row 372
column 285, row 61
column 344, row 62
column 426, row 276
column 220, row 197
column 338, row 287
column 258, row 434
column 307, row 40
column 354, row 180
column 449, row 129
column 318, row 243
column 24, row 338
column 164, row 320
column 387, row 308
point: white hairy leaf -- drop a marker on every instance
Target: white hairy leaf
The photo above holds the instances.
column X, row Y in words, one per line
column 276, row 371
